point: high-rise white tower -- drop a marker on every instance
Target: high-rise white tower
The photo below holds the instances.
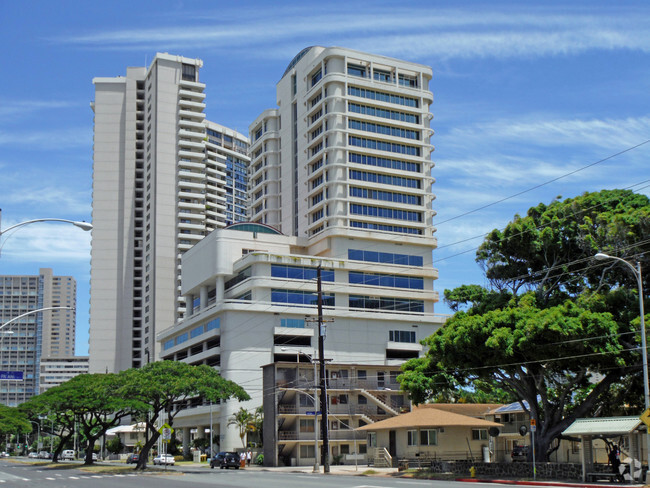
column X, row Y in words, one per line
column 160, row 184
column 347, row 148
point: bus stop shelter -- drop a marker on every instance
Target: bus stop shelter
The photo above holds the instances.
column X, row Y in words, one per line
column 588, row 429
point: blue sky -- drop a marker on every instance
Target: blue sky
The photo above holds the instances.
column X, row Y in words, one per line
column 524, row 92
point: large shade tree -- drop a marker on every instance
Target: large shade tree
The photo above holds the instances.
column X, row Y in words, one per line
column 165, row 388
column 555, row 329
column 92, row 403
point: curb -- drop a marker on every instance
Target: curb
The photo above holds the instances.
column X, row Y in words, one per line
column 545, row 483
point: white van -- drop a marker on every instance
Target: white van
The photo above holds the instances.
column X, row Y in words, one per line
column 68, row 454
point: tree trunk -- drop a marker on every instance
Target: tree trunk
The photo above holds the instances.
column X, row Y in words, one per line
column 144, row 452
column 57, row 451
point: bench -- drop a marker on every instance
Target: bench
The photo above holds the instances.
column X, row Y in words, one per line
column 601, row 476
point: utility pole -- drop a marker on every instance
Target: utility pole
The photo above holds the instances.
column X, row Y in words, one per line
column 323, row 387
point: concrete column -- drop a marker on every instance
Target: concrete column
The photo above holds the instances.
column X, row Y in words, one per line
column 189, row 305
column 219, row 284
column 203, row 298
column 186, row 441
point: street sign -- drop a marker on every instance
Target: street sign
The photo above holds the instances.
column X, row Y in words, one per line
column 311, row 412
column 645, row 417
column 11, row 375
column 166, row 431
column 533, row 422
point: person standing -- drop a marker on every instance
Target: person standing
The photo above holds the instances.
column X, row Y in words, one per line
column 249, row 455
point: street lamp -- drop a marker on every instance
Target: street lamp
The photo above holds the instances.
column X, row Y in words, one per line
column 644, row 350
column 81, row 224
column 38, row 434
column 15, row 319
column 315, row 399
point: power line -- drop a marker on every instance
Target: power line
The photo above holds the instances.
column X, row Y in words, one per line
column 543, row 184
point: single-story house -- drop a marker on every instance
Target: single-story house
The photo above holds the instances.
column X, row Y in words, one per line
column 429, row 433
column 130, row 435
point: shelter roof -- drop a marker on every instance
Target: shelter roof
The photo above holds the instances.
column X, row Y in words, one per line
column 607, row 426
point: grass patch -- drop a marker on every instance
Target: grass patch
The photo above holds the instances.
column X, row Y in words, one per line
column 369, row 472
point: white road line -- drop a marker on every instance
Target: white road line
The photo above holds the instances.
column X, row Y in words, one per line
column 51, row 479
column 73, row 477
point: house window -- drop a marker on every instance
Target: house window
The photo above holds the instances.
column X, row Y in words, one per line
column 306, row 425
column 428, row 437
column 307, row 451
column 412, row 438
column 372, row 439
column 480, row 434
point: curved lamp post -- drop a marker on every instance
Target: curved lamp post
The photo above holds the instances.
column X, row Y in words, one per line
column 82, row 225
column 18, row 317
column 86, row 226
column 32, row 312
column 636, row 271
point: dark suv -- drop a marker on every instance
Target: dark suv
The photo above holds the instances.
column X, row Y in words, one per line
column 132, row 458
column 216, row 459
column 230, row 460
column 519, row 453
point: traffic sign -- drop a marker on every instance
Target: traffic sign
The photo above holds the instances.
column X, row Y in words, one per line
column 11, row 375
column 645, row 417
column 311, row 412
column 166, row 431
column 533, row 422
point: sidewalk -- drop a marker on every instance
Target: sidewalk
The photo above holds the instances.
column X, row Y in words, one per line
column 363, row 470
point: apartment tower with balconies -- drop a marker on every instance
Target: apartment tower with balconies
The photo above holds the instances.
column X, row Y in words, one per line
column 162, row 180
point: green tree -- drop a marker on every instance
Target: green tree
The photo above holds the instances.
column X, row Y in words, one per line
column 556, row 330
column 115, row 445
column 91, row 402
column 245, row 422
column 162, row 388
column 13, row 421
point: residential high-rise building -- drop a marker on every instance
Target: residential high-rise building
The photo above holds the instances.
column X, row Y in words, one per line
column 340, row 179
column 57, row 370
column 347, row 148
column 160, row 184
column 38, row 336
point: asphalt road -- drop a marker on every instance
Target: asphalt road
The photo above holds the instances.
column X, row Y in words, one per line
column 26, row 475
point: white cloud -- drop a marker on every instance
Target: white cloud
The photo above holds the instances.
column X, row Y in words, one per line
column 540, row 131
column 49, row 243
column 17, row 107
column 54, row 139
column 66, row 200
column 413, row 32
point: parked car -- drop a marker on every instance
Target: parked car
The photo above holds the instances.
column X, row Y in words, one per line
column 519, row 453
column 68, row 454
column 33, row 455
column 45, row 455
column 230, row 460
column 164, row 459
column 216, row 459
column 133, row 458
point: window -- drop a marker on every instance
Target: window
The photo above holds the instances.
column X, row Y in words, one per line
column 307, row 451
column 306, row 425
column 357, row 70
column 372, row 439
column 407, row 336
column 428, row 437
column 479, row 434
column 189, row 72
column 316, row 77
column 412, row 438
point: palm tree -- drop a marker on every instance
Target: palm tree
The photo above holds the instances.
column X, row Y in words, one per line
column 245, row 422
